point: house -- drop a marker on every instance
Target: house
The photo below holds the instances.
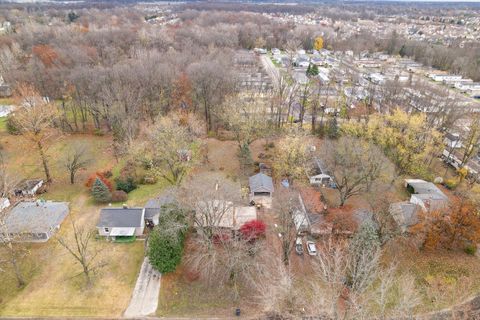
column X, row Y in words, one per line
column 121, row 222
column 452, row 141
column 261, row 189
column 4, row 203
column 28, row 187
column 405, row 214
column 321, row 176
column 35, row 221
column 426, row 195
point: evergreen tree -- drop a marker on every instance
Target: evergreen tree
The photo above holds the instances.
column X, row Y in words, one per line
column 100, row 191
column 332, row 128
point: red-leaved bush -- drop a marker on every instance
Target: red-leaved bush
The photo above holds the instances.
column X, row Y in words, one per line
column 99, row 175
column 253, row 229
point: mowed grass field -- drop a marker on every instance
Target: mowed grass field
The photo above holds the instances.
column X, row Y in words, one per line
column 54, row 286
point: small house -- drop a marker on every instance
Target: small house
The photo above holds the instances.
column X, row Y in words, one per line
column 35, row 221
column 28, row 187
column 260, row 185
column 452, row 141
column 121, row 222
column 223, row 215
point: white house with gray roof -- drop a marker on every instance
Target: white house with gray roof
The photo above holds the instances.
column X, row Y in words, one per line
column 121, row 222
column 35, row 221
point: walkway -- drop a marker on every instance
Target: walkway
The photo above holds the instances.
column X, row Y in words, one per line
column 145, row 295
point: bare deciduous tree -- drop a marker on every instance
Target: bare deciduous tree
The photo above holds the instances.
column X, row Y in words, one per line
column 76, row 159
column 354, row 164
column 82, row 249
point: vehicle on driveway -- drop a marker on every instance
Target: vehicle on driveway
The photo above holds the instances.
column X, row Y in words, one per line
column 299, row 246
column 311, row 248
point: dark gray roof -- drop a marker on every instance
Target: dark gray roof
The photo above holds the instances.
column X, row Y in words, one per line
column 260, row 183
column 153, row 206
column 121, row 217
column 36, row 216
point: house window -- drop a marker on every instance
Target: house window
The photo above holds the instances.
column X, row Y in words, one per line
column 107, row 230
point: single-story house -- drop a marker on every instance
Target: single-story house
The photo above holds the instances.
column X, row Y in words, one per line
column 121, row 222
column 35, row 221
column 28, row 187
column 4, row 203
column 426, row 194
column 405, row 214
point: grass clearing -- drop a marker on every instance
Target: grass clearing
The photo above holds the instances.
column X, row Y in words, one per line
column 53, row 288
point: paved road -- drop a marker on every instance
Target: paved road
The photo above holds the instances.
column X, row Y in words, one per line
column 272, row 71
column 145, row 295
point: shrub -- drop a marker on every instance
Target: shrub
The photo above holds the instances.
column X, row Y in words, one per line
column 470, row 249
column 11, row 126
column 253, row 229
column 149, row 180
column 126, row 185
column 119, row 196
column 100, row 191
column 164, row 252
column 450, row 184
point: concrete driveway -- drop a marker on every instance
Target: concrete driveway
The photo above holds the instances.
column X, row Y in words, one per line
column 145, row 295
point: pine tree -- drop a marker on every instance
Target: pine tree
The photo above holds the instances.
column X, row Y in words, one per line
column 100, row 191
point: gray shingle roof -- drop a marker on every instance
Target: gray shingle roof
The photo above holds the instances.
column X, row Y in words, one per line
column 260, row 183
column 121, row 217
column 36, row 216
column 404, row 214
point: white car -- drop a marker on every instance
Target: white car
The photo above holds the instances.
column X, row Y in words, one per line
column 311, row 248
column 299, row 246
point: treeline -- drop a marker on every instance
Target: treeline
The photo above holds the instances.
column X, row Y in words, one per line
column 464, row 61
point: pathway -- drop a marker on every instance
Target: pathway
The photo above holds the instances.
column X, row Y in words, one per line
column 145, row 295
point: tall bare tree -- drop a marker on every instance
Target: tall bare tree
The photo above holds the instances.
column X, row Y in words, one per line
column 82, row 249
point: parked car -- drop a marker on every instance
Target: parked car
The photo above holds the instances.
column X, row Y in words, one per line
column 299, row 246
column 311, row 248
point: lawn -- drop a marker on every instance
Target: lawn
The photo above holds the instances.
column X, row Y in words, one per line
column 52, row 285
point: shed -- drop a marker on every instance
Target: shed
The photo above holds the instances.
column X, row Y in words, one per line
column 36, row 221
column 261, row 185
column 28, row 187
column 121, row 221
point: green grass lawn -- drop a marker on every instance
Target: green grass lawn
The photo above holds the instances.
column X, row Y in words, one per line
column 3, row 124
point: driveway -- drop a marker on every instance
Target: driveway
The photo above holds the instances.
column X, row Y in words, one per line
column 145, row 295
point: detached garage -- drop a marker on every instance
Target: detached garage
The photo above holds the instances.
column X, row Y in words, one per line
column 260, row 185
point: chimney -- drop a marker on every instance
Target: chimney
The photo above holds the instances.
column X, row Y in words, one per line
column 125, row 206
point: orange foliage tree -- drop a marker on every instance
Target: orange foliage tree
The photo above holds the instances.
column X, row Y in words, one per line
column 91, row 180
column 454, row 228
column 46, row 54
